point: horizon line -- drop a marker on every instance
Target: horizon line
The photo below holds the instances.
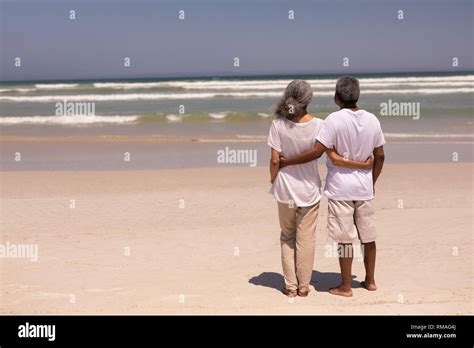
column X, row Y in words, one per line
column 224, row 76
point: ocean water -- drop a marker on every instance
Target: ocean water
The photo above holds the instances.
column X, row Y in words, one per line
column 436, row 107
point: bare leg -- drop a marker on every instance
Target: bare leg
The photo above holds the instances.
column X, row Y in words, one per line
column 369, row 263
column 345, row 262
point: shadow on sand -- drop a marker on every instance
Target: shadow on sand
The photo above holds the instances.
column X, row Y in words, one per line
column 322, row 281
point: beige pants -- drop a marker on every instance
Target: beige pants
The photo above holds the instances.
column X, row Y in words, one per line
column 298, row 236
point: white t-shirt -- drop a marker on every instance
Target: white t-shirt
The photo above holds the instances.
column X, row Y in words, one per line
column 354, row 135
column 300, row 183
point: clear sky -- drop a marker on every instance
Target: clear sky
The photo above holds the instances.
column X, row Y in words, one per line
column 214, row 32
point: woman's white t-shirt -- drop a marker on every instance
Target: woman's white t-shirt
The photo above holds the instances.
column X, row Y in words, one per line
column 298, row 184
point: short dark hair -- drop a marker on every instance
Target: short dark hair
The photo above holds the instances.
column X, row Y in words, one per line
column 347, row 90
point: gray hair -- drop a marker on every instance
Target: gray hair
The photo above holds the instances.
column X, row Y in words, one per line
column 347, row 90
column 294, row 101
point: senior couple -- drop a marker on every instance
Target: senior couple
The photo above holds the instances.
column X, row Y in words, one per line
column 297, row 139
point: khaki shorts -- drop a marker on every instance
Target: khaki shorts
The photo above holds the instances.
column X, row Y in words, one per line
column 351, row 220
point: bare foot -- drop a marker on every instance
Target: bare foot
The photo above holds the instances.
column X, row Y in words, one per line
column 340, row 291
column 368, row 286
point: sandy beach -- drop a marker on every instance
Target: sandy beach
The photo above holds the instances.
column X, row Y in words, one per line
column 206, row 241
column 152, row 155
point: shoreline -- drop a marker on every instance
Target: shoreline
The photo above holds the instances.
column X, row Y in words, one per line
column 159, row 138
column 133, row 138
column 149, row 152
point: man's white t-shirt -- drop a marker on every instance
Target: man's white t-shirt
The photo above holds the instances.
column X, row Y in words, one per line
column 354, row 135
column 300, row 183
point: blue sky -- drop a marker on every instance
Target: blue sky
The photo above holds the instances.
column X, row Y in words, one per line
column 258, row 32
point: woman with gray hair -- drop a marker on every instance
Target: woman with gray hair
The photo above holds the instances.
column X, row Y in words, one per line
column 297, row 189
column 295, row 99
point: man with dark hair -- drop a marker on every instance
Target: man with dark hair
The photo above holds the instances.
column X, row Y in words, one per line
column 356, row 134
column 347, row 91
